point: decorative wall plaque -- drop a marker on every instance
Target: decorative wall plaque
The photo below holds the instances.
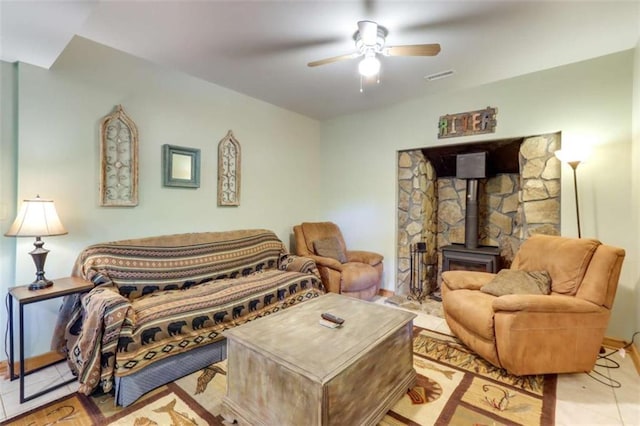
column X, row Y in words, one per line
column 229, row 171
column 467, row 123
column 118, row 160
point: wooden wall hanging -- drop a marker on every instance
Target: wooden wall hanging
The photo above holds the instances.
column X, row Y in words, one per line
column 229, row 171
column 467, row 123
column 118, row 160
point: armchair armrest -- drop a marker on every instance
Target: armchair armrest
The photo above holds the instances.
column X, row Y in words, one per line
column 327, row 262
column 294, row 263
column 469, row 280
column 544, row 303
column 363, row 256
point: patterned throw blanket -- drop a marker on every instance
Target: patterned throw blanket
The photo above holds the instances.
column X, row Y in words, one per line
column 159, row 297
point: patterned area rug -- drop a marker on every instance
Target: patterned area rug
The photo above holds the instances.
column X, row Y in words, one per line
column 454, row 387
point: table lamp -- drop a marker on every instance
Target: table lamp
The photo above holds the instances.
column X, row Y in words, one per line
column 37, row 218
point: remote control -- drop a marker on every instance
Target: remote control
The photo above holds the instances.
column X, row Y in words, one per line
column 332, row 318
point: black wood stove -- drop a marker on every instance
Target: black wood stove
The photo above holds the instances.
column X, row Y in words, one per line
column 470, row 256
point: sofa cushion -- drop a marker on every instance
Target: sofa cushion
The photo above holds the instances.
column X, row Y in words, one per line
column 166, row 323
column 146, row 265
column 330, row 247
column 512, row 281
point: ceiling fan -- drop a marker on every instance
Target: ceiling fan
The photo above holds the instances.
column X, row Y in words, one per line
column 370, row 42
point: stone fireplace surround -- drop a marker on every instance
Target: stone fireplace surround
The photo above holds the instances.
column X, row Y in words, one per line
column 520, row 197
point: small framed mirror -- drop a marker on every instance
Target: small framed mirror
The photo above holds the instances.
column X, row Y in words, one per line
column 180, row 166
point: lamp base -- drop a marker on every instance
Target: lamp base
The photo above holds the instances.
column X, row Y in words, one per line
column 39, row 256
column 39, row 284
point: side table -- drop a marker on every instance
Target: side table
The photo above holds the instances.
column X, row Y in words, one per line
column 24, row 296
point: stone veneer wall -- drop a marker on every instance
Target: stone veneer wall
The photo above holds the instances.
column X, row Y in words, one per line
column 512, row 206
column 417, row 210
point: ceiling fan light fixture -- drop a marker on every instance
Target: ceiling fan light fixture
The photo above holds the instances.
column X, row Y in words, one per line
column 368, row 32
column 370, row 36
column 370, row 41
column 369, row 66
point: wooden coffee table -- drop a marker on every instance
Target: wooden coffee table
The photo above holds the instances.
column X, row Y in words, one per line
column 287, row 369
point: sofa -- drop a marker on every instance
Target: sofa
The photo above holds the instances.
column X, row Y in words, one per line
column 160, row 305
column 547, row 314
column 355, row 273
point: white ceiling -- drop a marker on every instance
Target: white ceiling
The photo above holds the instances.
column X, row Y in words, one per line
column 261, row 48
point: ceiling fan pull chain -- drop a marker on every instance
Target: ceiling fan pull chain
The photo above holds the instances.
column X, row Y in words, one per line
column 361, row 84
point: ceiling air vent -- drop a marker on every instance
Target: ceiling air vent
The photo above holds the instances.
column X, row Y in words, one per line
column 439, row 75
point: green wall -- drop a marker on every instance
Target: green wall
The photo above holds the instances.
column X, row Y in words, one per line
column 8, row 167
column 635, row 182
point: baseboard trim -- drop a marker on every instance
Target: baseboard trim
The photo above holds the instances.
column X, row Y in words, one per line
column 632, row 351
column 33, row 363
column 385, row 293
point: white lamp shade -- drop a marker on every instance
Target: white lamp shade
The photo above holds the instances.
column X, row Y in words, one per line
column 568, row 155
column 36, row 218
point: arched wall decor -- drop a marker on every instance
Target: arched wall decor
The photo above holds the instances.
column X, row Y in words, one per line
column 118, row 160
column 229, row 171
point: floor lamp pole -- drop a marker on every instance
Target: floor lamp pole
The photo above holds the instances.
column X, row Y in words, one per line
column 574, row 166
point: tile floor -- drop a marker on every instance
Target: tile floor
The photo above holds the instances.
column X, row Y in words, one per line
column 581, row 400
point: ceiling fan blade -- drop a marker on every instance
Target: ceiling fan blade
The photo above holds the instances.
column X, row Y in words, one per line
column 413, row 50
column 333, row 59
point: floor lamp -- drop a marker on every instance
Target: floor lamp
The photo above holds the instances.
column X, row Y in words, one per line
column 573, row 159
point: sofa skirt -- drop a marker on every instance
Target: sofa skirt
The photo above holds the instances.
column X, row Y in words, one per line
column 131, row 387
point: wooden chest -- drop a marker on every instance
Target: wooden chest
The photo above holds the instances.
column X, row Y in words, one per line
column 287, row 369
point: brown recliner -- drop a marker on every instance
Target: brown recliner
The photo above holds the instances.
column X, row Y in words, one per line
column 561, row 332
column 358, row 276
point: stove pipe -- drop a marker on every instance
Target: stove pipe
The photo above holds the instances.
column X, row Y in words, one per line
column 472, row 166
column 471, row 215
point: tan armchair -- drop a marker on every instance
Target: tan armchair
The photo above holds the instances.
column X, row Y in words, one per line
column 560, row 332
column 353, row 273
